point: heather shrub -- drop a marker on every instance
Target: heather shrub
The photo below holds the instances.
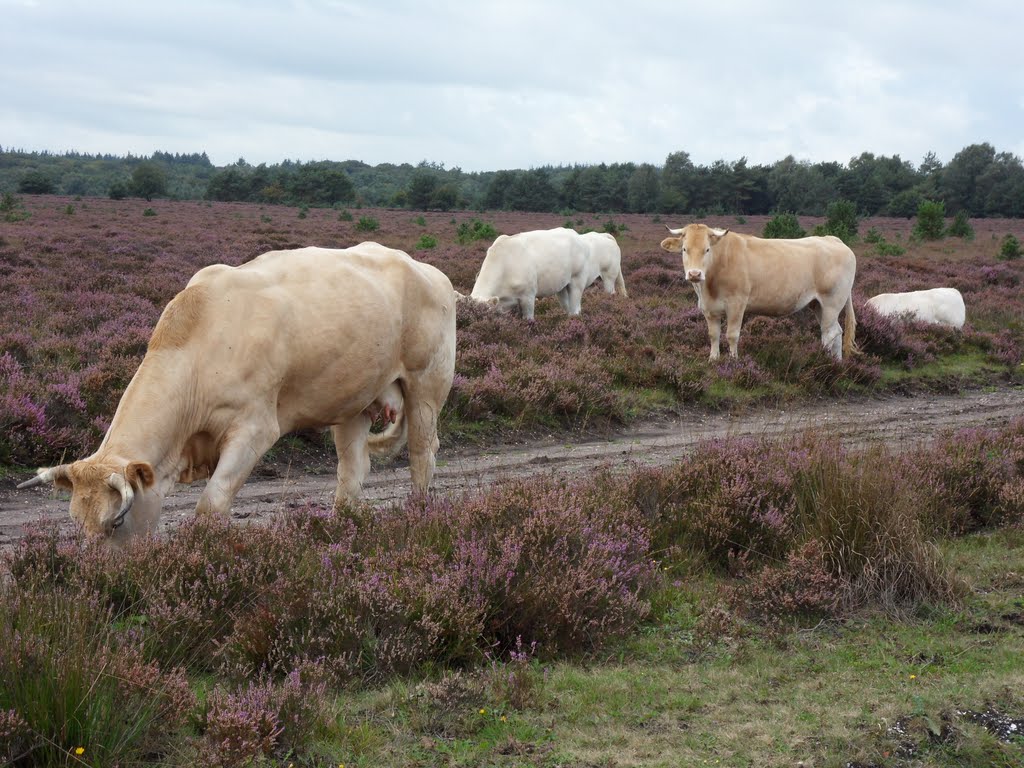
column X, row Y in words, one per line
column 785, row 226
column 262, row 720
column 886, row 337
column 70, row 678
column 803, row 586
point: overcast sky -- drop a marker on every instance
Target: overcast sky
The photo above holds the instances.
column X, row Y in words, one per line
column 493, row 84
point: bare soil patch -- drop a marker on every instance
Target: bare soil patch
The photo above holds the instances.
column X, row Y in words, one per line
column 895, row 421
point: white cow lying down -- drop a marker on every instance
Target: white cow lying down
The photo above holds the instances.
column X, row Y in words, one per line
column 307, row 338
column 519, row 269
column 940, row 306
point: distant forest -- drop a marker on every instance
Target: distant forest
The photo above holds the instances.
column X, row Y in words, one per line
column 978, row 180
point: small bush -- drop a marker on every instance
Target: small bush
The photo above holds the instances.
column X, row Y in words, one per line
column 426, row 241
column 784, row 226
column 303, row 211
column 890, row 249
column 873, row 236
column 345, row 216
column 614, row 229
column 931, row 220
column 149, row 212
column 69, row 210
column 367, row 224
column 421, row 221
column 1009, row 248
column 840, row 220
column 469, row 232
column 961, row 226
column 264, row 218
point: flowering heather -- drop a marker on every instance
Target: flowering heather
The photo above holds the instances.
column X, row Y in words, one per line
column 79, row 296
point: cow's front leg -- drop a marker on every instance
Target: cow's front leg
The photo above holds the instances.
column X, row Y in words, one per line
column 526, row 305
column 575, row 298
column 734, row 321
column 714, row 333
column 238, row 457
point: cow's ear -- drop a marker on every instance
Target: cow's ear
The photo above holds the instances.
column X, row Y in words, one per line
column 672, row 244
column 140, row 474
column 717, row 234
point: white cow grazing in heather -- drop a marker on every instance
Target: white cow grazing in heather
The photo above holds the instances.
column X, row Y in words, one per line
column 307, row 338
column 604, row 260
column 736, row 275
column 519, row 269
column 939, row 306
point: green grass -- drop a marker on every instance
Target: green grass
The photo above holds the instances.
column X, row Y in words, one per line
column 951, row 370
column 673, row 695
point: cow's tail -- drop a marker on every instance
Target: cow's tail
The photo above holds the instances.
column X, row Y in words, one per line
column 850, row 329
column 620, row 284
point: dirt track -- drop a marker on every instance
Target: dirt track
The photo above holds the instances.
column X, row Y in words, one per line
column 901, row 422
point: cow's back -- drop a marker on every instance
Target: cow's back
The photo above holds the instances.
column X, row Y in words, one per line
column 783, row 275
column 943, row 306
column 316, row 328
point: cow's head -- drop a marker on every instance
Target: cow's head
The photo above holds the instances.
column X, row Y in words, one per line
column 695, row 243
column 104, row 495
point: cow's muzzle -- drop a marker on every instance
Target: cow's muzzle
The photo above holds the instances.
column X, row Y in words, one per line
column 695, row 276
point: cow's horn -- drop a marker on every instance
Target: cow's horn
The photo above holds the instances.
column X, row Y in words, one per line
column 46, row 475
column 122, row 486
column 675, row 231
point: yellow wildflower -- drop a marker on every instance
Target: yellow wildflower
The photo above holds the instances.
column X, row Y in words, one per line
column 483, row 711
column 79, row 750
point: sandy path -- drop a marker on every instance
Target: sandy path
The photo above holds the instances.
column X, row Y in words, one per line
column 897, row 421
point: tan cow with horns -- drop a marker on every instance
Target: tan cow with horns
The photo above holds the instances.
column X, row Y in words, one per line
column 735, row 275
column 307, row 338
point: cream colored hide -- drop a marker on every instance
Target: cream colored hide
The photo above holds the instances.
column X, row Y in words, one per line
column 939, row 306
column 519, row 269
column 604, row 260
column 736, row 275
column 307, row 338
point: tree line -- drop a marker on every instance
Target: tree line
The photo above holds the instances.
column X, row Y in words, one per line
column 978, row 181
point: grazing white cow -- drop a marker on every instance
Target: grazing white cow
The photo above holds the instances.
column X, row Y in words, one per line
column 312, row 337
column 939, row 306
column 604, row 260
column 519, row 269
column 736, row 274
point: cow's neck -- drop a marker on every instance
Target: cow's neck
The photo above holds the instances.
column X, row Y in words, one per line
column 156, row 416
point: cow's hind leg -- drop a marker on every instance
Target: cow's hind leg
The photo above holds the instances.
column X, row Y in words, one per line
column 831, row 332
column 422, row 416
column 353, row 456
column 237, row 459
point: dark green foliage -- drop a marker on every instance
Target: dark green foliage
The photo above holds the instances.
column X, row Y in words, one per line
column 931, row 220
column 905, row 204
column 149, row 212
column 1009, row 248
column 840, row 220
column 785, row 226
column 345, row 216
column 873, row 236
column 367, row 224
column 118, row 191
column 961, row 226
column 426, row 241
column 36, row 183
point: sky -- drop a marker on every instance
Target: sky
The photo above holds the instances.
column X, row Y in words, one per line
column 502, row 84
